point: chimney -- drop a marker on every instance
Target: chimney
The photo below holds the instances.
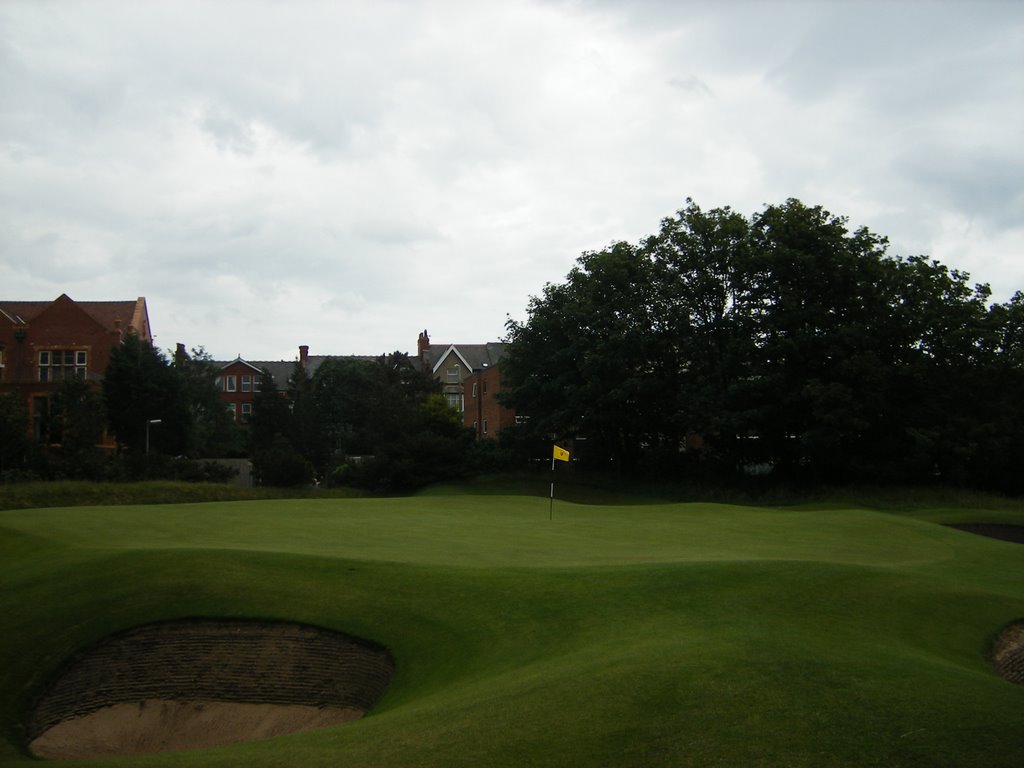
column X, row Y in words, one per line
column 303, row 355
column 179, row 354
column 423, row 344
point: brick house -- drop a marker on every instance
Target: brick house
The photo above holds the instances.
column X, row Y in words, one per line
column 239, row 380
column 470, row 376
column 45, row 342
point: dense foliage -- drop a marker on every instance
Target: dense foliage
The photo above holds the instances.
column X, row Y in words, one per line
column 374, row 423
column 166, row 407
column 780, row 344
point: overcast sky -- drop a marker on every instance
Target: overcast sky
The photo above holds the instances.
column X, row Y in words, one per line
column 347, row 174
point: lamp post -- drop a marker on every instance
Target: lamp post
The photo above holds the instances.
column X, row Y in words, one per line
column 148, row 422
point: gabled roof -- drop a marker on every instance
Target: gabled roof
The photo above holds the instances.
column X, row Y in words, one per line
column 238, row 360
column 282, row 370
column 452, row 350
column 112, row 315
column 473, row 356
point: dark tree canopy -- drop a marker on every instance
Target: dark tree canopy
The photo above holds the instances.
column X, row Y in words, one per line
column 782, row 342
column 212, row 431
column 141, row 386
column 13, row 431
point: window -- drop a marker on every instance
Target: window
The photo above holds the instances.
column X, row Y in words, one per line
column 247, row 383
column 453, row 375
column 230, row 407
column 230, row 384
column 485, row 426
column 474, row 389
column 60, row 364
column 246, row 411
column 454, row 400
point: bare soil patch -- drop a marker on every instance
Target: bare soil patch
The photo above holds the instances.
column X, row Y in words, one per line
column 194, row 684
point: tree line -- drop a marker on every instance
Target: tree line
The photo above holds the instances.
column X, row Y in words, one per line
column 781, row 344
column 376, row 423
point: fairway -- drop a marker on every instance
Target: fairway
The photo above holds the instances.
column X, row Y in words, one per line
column 625, row 635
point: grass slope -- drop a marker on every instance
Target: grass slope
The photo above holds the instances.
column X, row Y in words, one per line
column 612, row 635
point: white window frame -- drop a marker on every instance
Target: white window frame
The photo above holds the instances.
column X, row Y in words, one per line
column 246, row 411
column 246, row 383
column 230, row 383
column 63, row 360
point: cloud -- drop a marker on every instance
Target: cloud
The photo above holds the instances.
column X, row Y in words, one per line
column 271, row 174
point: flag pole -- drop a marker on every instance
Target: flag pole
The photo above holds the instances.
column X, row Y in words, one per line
column 551, row 502
column 561, row 455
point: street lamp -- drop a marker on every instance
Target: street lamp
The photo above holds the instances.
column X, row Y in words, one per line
column 150, row 421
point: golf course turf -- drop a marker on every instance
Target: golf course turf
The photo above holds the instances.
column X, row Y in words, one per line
column 611, row 635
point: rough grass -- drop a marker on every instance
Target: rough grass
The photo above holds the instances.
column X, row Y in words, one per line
column 612, row 635
column 75, row 493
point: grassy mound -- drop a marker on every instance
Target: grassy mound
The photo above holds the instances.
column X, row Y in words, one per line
column 612, row 635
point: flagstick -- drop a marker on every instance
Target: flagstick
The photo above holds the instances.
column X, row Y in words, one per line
column 551, row 503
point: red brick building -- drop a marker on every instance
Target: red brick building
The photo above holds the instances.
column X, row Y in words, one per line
column 470, row 376
column 239, row 380
column 45, row 342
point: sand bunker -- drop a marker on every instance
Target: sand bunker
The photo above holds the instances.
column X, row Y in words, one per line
column 1003, row 531
column 1008, row 653
column 195, row 684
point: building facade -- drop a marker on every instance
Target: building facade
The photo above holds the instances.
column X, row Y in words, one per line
column 239, row 380
column 470, row 377
column 44, row 342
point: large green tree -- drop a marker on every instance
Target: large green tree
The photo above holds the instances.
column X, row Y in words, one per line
column 589, row 358
column 78, row 419
column 13, row 431
column 212, row 431
column 141, row 387
column 785, row 342
column 388, row 412
column 276, row 460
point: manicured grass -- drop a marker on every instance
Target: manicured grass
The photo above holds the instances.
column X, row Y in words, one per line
column 612, row 635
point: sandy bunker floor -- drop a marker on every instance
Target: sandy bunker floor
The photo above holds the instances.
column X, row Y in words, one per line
column 195, row 684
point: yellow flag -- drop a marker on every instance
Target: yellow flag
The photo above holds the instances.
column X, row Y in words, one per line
column 561, row 454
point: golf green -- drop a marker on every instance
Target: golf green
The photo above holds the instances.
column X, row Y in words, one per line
column 648, row 635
